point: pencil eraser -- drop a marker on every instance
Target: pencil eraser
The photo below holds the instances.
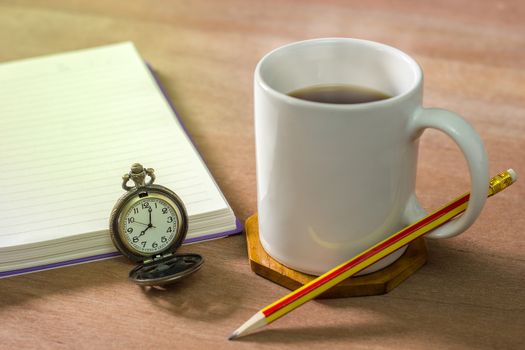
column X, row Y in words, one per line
column 513, row 174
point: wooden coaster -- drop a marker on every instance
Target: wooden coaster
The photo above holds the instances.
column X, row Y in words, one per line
column 379, row 282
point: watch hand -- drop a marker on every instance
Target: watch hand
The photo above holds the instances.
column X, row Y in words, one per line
column 144, row 232
column 138, row 222
column 150, row 216
column 147, row 228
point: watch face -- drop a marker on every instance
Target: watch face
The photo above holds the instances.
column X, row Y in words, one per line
column 149, row 225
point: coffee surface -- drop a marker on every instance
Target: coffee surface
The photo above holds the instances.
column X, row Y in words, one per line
column 339, row 94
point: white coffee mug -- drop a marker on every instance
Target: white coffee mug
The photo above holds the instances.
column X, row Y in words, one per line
column 334, row 179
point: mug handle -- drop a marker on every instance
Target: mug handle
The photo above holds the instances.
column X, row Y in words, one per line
column 471, row 145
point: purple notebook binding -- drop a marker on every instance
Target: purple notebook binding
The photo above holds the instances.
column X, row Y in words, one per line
column 238, row 229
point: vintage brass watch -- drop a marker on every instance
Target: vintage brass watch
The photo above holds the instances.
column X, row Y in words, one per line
column 147, row 225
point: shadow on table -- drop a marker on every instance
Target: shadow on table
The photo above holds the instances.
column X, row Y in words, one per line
column 192, row 297
column 213, row 292
column 21, row 289
column 459, row 298
column 297, row 335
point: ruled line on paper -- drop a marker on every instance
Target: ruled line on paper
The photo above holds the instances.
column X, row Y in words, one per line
column 54, row 226
column 66, row 216
column 171, row 168
column 99, row 182
column 68, row 98
column 46, row 193
column 81, row 160
column 37, row 158
column 104, row 199
column 95, row 107
column 72, row 121
column 55, row 170
column 48, row 139
column 12, row 131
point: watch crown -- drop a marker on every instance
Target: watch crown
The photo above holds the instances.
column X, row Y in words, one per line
column 138, row 176
column 137, row 168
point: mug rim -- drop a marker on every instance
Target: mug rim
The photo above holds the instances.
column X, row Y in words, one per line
column 416, row 68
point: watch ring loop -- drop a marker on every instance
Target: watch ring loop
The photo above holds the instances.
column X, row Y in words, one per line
column 138, row 175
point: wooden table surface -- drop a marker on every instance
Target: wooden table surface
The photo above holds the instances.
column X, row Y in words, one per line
column 471, row 293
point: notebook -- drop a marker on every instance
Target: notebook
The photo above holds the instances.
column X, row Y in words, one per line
column 71, row 125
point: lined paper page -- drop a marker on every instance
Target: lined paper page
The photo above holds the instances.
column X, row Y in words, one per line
column 70, row 126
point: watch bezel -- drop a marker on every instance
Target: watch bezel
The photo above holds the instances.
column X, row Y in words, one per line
column 130, row 198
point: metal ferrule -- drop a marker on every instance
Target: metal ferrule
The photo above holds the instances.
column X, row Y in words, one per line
column 500, row 182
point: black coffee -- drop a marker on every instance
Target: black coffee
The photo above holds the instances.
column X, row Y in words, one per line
column 339, row 94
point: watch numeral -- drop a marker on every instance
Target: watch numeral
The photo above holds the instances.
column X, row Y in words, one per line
column 143, row 244
column 130, row 230
column 154, row 245
column 145, row 205
column 164, row 210
column 170, row 219
column 163, row 239
column 135, row 210
column 135, row 239
column 155, row 205
column 131, row 220
column 168, row 230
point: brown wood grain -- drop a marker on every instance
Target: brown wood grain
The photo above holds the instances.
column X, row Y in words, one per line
column 379, row 282
column 471, row 292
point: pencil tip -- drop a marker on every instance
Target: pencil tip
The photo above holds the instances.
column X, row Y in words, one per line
column 256, row 321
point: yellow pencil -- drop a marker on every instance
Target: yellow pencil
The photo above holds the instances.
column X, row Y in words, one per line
column 401, row 238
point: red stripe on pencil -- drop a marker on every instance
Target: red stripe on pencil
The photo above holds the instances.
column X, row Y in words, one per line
column 360, row 258
column 370, row 256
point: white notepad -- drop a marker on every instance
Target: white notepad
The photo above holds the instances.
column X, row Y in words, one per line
column 70, row 126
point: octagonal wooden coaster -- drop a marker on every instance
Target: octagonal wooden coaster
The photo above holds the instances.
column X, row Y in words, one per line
column 379, row 282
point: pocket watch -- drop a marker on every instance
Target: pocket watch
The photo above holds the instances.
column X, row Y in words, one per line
column 147, row 225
